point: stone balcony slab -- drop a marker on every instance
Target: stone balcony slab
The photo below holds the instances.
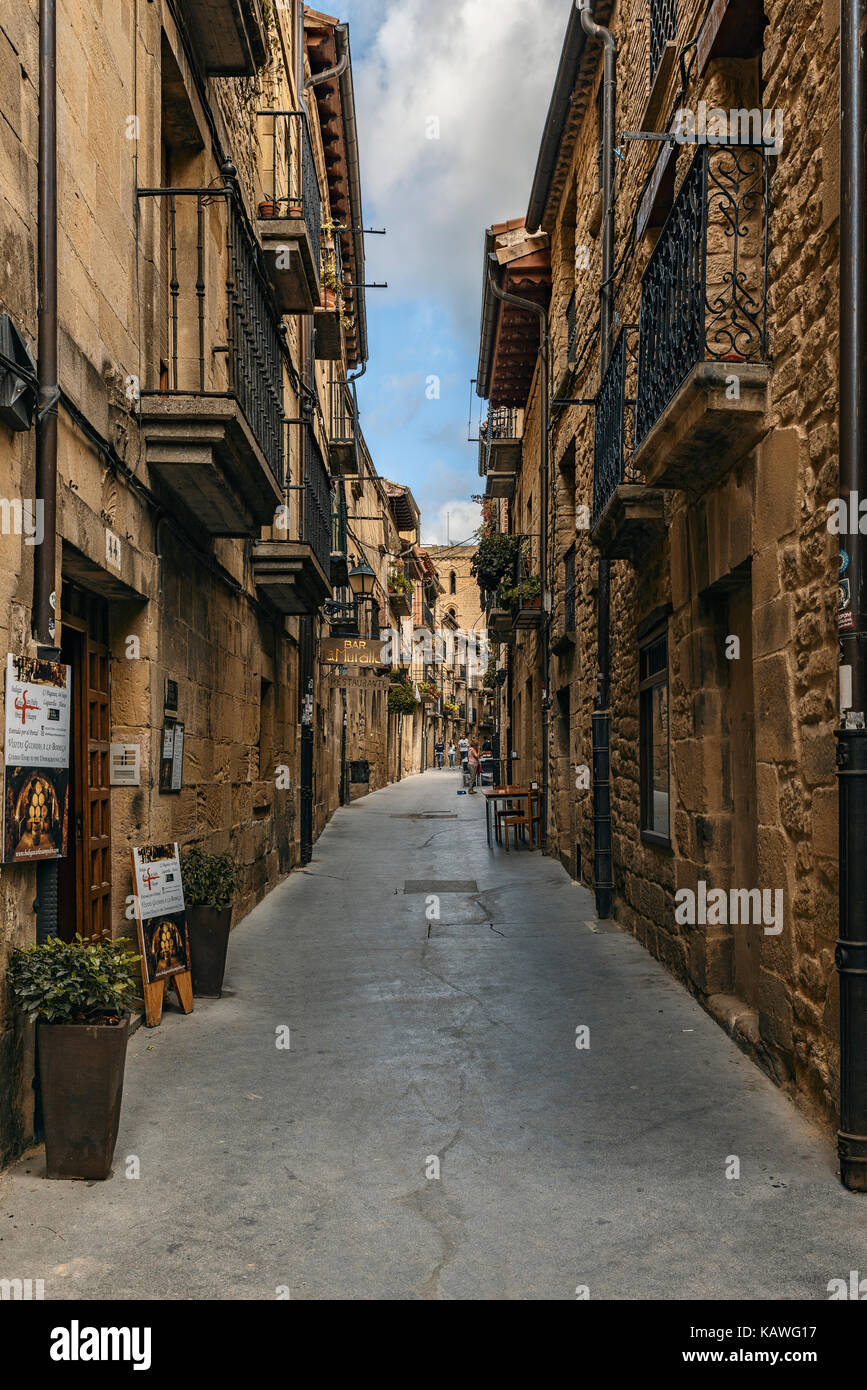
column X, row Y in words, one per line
column 203, row 450
column 703, row 431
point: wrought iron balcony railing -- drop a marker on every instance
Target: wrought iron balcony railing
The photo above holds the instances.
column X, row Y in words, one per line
column 615, row 403
column 222, row 333
column 342, row 422
column 500, row 438
column 663, row 28
column 290, row 182
column 339, row 514
column 704, row 292
column 318, row 520
column 331, row 262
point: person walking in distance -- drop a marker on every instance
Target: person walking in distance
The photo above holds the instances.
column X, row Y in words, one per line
column 440, row 749
column 452, row 753
column 474, row 765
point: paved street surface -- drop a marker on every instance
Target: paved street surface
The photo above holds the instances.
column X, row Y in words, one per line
column 305, row 1169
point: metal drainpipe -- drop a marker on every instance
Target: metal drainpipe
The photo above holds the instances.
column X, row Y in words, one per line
column 328, row 75
column 45, row 566
column 851, row 956
column 542, row 314
column 45, row 579
column 602, row 869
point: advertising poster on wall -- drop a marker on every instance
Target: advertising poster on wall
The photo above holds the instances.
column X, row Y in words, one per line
column 162, row 920
column 36, row 760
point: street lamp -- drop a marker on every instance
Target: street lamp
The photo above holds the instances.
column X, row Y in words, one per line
column 362, row 580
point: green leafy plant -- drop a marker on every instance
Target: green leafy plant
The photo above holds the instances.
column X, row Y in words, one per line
column 74, row 981
column 495, row 557
column 399, row 583
column 451, row 708
column 428, row 691
column 520, row 595
column 209, row 880
column 401, row 699
column 490, row 678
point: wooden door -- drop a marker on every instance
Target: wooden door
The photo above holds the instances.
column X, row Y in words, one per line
column 85, row 878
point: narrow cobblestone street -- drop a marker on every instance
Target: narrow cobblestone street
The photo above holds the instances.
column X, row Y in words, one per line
column 305, row 1168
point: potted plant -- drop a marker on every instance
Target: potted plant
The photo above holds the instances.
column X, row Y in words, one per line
column 495, row 557
column 269, row 208
column 399, row 583
column 401, row 698
column 209, row 883
column 527, row 593
column 78, row 993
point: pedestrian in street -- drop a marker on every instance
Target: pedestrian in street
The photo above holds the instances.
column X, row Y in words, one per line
column 474, row 765
column 440, row 749
column 452, row 753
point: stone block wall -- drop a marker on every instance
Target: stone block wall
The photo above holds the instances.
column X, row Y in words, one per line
column 754, row 544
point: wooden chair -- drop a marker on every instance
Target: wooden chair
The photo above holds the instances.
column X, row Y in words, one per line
column 500, row 814
column 527, row 820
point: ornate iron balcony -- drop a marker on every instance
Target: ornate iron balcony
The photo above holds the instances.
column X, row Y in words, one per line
column 704, row 292
column 290, row 213
column 612, row 445
column 663, row 27
column 221, row 342
column 500, row 445
column 317, row 525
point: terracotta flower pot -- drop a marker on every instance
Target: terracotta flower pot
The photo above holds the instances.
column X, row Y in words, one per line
column 268, row 209
column 209, row 943
column 81, row 1069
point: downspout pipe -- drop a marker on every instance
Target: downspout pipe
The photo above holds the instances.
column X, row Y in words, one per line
column 851, row 955
column 329, row 74
column 45, row 577
column 529, row 306
column 602, row 846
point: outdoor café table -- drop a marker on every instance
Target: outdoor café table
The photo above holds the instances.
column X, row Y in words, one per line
column 494, row 794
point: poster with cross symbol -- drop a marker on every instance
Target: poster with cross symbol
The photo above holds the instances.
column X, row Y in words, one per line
column 163, row 936
column 36, row 760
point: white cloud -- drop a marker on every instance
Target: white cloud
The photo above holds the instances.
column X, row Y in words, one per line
column 485, row 69
column 456, row 521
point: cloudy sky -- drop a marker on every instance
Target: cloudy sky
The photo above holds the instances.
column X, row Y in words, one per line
column 479, row 73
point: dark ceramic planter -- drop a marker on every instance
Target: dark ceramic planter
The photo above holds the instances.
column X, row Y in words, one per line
column 81, row 1069
column 209, row 942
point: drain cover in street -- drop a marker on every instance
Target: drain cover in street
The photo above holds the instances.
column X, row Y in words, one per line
column 441, row 885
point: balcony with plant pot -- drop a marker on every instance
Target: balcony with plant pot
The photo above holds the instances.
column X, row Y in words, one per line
column 328, row 321
column 400, row 593
column 290, row 211
column 493, row 564
column 230, row 36
column 213, row 422
column 294, row 574
column 626, row 513
column 703, row 359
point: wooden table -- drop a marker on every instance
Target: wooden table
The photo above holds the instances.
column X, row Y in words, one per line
column 494, row 794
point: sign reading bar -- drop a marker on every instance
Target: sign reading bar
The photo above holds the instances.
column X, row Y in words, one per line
column 351, row 651
column 36, row 772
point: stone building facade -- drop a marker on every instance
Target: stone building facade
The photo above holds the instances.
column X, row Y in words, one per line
column 459, row 612
column 210, row 456
column 694, row 454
